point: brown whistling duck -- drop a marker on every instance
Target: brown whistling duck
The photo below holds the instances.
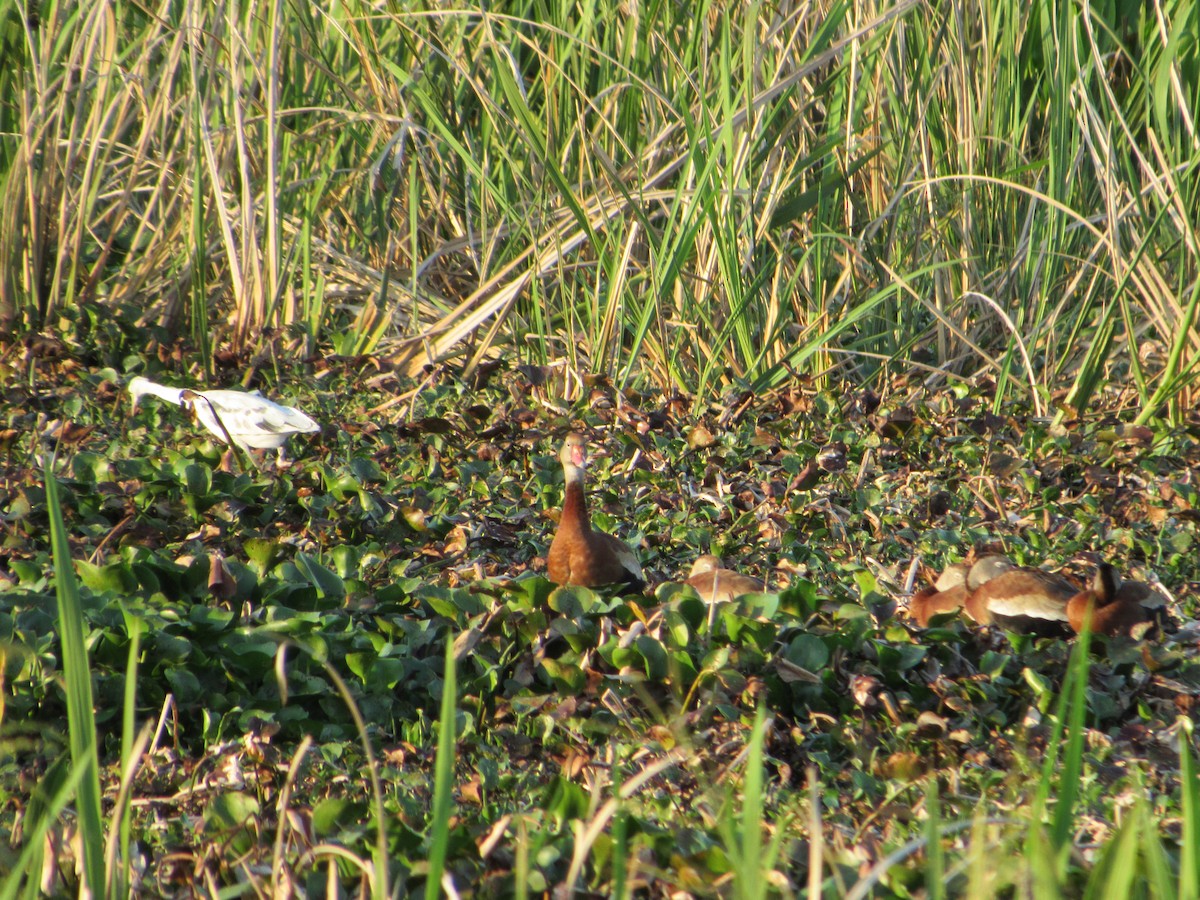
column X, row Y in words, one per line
column 1113, row 607
column 715, row 584
column 947, row 594
column 1019, row 598
column 579, row 554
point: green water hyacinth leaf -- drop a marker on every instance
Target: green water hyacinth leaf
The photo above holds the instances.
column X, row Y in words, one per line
column 198, row 480
column 336, row 814
column 20, row 506
column 801, row 598
column 329, row 586
column 342, row 487
column 367, row 471
column 900, row 657
column 115, row 577
column 573, row 601
column 576, row 635
column 91, row 468
column 415, row 517
column 530, row 593
column 759, row 606
column 185, row 686
column 210, row 619
column 654, row 655
column 452, row 602
column 807, row 651
column 1040, row 683
column 231, row 814
column 376, row 671
column 261, row 552
column 679, row 630
column 346, row 560
column 567, row 678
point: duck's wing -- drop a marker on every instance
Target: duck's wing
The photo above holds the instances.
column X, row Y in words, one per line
column 624, row 568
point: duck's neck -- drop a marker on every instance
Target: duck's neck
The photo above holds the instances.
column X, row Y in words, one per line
column 1105, row 585
column 574, row 502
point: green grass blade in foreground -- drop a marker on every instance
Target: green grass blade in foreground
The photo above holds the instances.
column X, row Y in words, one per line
column 620, row 855
column 935, row 865
column 1047, row 861
column 750, row 878
column 442, row 780
column 1157, row 873
column 1113, row 878
column 749, row 860
column 129, row 754
column 78, row 682
column 1189, row 843
column 1072, row 765
column 40, row 816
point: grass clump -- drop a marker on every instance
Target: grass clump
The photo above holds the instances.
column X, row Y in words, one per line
column 684, row 199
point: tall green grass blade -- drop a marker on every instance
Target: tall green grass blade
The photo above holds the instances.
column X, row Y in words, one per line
column 1156, row 866
column 1189, row 839
column 1116, row 872
column 751, row 857
column 41, row 815
column 1070, row 771
column 979, row 862
column 135, row 626
column 521, row 862
column 1046, row 853
column 1176, row 373
column 77, row 679
column 750, row 879
column 620, row 855
column 443, row 780
column 935, row 865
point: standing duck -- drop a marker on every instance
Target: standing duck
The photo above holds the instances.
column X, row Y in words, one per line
column 246, row 419
column 715, row 584
column 579, row 554
column 1113, row 607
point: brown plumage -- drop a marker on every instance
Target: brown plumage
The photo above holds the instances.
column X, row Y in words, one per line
column 947, row 594
column 716, row 584
column 579, row 554
column 1020, row 598
column 1113, row 607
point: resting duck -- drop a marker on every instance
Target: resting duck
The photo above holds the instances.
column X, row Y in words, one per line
column 247, row 419
column 948, row 593
column 715, row 584
column 996, row 591
column 579, row 554
column 1019, row 598
column 1113, row 607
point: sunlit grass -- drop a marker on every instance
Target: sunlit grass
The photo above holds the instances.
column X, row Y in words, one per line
column 684, row 199
column 77, row 675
